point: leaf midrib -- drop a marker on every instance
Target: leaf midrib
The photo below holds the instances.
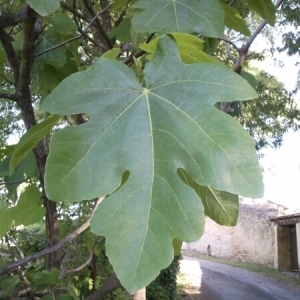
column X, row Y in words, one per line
column 214, row 143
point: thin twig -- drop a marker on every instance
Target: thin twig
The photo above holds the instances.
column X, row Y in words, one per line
column 24, row 232
column 87, row 261
column 227, row 41
column 75, row 37
column 10, row 53
column 57, row 246
column 111, row 284
column 138, row 53
column 27, row 180
column 73, row 11
column 98, row 26
column 6, row 79
column 21, row 274
column 243, row 55
column 259, row 29
column 229, row 53
column 15, row 244
column 64, row 262
column 85, row 35
column 59, row 45
column 121, row 17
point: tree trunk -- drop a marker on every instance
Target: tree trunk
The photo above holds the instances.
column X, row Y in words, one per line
column 21, row 68
column 52, row 234
column 139, row 295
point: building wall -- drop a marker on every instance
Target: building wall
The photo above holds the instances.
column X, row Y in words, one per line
column 252, row 239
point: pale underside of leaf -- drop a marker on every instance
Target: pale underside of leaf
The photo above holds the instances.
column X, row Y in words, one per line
column 201, row 16
column 220, row 206
column 234, row 20
column 44, row 7
column 149, row 131
column 266, row 9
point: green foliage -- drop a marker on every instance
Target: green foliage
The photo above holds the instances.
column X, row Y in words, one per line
column 289, row 15
column 73, row 291
column 29, row 141
column 265, row 9
column 27, row 211
column 203, row 16
column 164, row 287
column 31, row 239
column 234, row 20
column 44, row 7
column 8, row 285
column 272, row 115
column 26, row 169
column 190, row 48
column 9, row 119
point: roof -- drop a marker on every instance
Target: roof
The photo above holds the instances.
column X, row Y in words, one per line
column 286, row 220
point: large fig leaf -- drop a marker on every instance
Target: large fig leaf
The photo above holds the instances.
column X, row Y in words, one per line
column 189, row 46
column 149, row 132
column 44, row 7
column 201, row 16
column 265, row 9
column 28, row 210
column 29, row 140
column 222, row 207
column 234, row 20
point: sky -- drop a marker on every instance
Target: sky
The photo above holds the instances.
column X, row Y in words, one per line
column 282, row 172
column 282, row 166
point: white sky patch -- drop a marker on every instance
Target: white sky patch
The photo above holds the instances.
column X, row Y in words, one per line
column 281, row 166
column 282, row 172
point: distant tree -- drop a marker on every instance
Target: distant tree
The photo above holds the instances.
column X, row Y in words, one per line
column 275, row 112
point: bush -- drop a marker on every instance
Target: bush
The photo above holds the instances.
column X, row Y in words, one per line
column 164, row 287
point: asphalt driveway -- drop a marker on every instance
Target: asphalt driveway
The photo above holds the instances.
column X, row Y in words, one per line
column 222, row 282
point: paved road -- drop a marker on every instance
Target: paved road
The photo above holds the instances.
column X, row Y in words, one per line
column 222, row 282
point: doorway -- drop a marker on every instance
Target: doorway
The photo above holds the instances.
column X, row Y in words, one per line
column 293, row 248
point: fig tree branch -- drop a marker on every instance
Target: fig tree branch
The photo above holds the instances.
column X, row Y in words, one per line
column 138, row 53
column 7, row 20
column 68, row 238
column 8, row 96
column 10, row 54
column 73, row 11
column 86, row 262
column 243, row 55
column 111, row 284
column 258, row 30
column 76, row 37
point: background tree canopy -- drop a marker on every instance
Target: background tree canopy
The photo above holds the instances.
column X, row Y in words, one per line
column 133, row 120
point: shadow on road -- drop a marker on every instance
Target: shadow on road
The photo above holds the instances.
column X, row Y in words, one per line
column 215, row 281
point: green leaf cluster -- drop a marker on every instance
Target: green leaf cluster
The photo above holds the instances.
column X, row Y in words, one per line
column 28, row 210
column 131, row 120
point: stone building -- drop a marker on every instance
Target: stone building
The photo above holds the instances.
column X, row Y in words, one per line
column 287, row 242
column 252, row 239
